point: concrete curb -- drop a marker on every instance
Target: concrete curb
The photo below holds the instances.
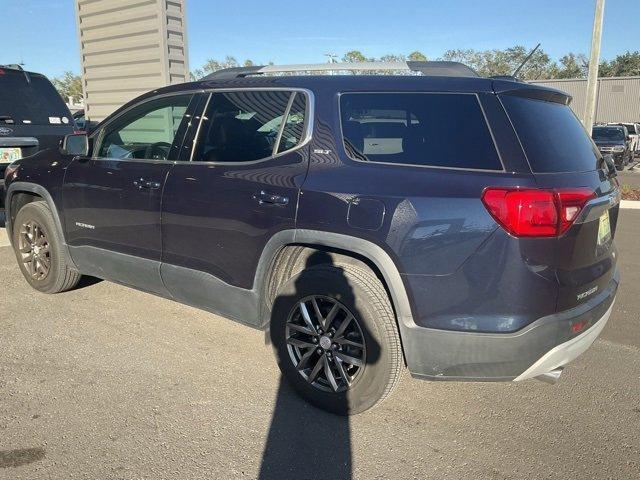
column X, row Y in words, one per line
column 4, row 238
column 631, row 204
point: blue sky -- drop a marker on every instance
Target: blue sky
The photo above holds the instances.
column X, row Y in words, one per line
column 43, row 32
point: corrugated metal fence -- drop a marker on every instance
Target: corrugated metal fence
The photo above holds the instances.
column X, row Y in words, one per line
column 618, row 98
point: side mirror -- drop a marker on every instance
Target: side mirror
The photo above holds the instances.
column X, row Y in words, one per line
column 611, row 165
column 76, row 144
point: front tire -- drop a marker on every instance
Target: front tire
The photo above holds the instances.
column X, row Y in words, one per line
column 336, row 339
column 40, row 250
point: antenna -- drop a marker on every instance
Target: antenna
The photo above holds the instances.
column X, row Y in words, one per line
column 524, row 62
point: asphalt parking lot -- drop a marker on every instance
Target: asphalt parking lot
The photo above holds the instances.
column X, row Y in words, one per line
column 630, row 176
column 105, row 382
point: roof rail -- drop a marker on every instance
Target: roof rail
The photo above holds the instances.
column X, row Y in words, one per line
column 510, row 78
column 436, row 69
column 13, row 66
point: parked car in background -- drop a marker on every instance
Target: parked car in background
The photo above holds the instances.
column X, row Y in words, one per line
column 614, row 140
column 82, row 123
column 340, row 214
column 33, row 116
column 633, row 130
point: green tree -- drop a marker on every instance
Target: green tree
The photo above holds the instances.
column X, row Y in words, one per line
column 354, row 56
column 213, row 65
column 570, row 65
column 625, row 65
column 417, row 56
column 69, row 85
column 503, row 62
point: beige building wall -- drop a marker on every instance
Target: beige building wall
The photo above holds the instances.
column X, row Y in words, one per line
column 618, row 98
column 129, row 47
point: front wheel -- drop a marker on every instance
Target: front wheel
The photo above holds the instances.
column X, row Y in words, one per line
column 336, row 338
column 40, row 251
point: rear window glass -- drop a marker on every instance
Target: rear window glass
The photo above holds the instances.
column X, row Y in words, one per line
column 35, row 102
column 428, row 129
column 551, row 135
column 601, row 134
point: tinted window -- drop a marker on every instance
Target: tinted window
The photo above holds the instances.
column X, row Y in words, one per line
column 442, row 130
column 30, row 102
column 245, row 126
column 294, row 126
column 631, row 128
column 601, row 134
column 553, row 138
column 146, row 131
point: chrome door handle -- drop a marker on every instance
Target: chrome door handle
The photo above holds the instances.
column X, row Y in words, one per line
column 265, row 198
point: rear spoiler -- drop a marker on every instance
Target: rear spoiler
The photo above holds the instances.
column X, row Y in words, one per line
column 527, row 90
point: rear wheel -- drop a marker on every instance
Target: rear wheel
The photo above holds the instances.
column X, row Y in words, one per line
column 39, row 250
column 336, row 339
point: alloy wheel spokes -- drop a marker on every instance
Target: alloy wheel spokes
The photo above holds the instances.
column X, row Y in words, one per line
column 34, row 250
column 325, row 343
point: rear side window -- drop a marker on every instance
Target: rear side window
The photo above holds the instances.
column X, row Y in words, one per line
column 247, row 125
column 30, row 101
column 294, row 125
column 427, row 129
column 552, row 137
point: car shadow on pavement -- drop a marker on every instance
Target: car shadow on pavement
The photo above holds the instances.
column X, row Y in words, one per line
column 305, row 442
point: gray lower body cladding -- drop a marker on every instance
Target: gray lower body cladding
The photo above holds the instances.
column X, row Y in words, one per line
column 449, row 355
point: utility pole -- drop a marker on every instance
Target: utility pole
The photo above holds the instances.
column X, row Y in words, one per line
column 594, row 61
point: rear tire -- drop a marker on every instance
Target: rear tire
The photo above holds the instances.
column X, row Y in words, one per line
column 348, row 290
column 40, row 250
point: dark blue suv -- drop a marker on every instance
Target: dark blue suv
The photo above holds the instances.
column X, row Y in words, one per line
column 458, row 225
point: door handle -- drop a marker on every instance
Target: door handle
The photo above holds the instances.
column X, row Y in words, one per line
column 146, row 184
column 265, row 198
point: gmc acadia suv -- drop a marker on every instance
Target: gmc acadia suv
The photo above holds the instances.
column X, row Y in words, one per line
column 456, row 225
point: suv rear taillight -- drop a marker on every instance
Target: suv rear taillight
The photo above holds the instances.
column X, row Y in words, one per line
column 535, row 212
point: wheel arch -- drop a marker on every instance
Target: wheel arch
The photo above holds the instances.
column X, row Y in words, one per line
column 287, row 252
column 33, row 190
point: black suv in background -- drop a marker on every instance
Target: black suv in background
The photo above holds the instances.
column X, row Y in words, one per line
column 461, row 226
column 614, row 140
column 33, row 116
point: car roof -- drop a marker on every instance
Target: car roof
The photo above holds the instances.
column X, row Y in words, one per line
column 332, row 84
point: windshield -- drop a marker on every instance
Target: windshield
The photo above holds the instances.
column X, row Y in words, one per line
column 608, row 134
column 30, row 102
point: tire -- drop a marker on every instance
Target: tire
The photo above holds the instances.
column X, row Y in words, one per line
column 355, row 291
column 50, row 271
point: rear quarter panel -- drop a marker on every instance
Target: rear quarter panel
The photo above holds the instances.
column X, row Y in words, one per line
column 431, row 223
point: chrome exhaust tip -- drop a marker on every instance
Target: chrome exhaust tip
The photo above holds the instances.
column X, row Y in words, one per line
column 551, row 377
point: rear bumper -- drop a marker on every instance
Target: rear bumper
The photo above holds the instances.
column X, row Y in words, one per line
column 562, row 354
column 542, row 346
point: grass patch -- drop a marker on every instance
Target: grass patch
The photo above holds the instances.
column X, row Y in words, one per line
column 630, row 193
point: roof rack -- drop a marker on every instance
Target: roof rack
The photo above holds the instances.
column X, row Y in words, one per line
column 436, row 69
column 510, row 78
